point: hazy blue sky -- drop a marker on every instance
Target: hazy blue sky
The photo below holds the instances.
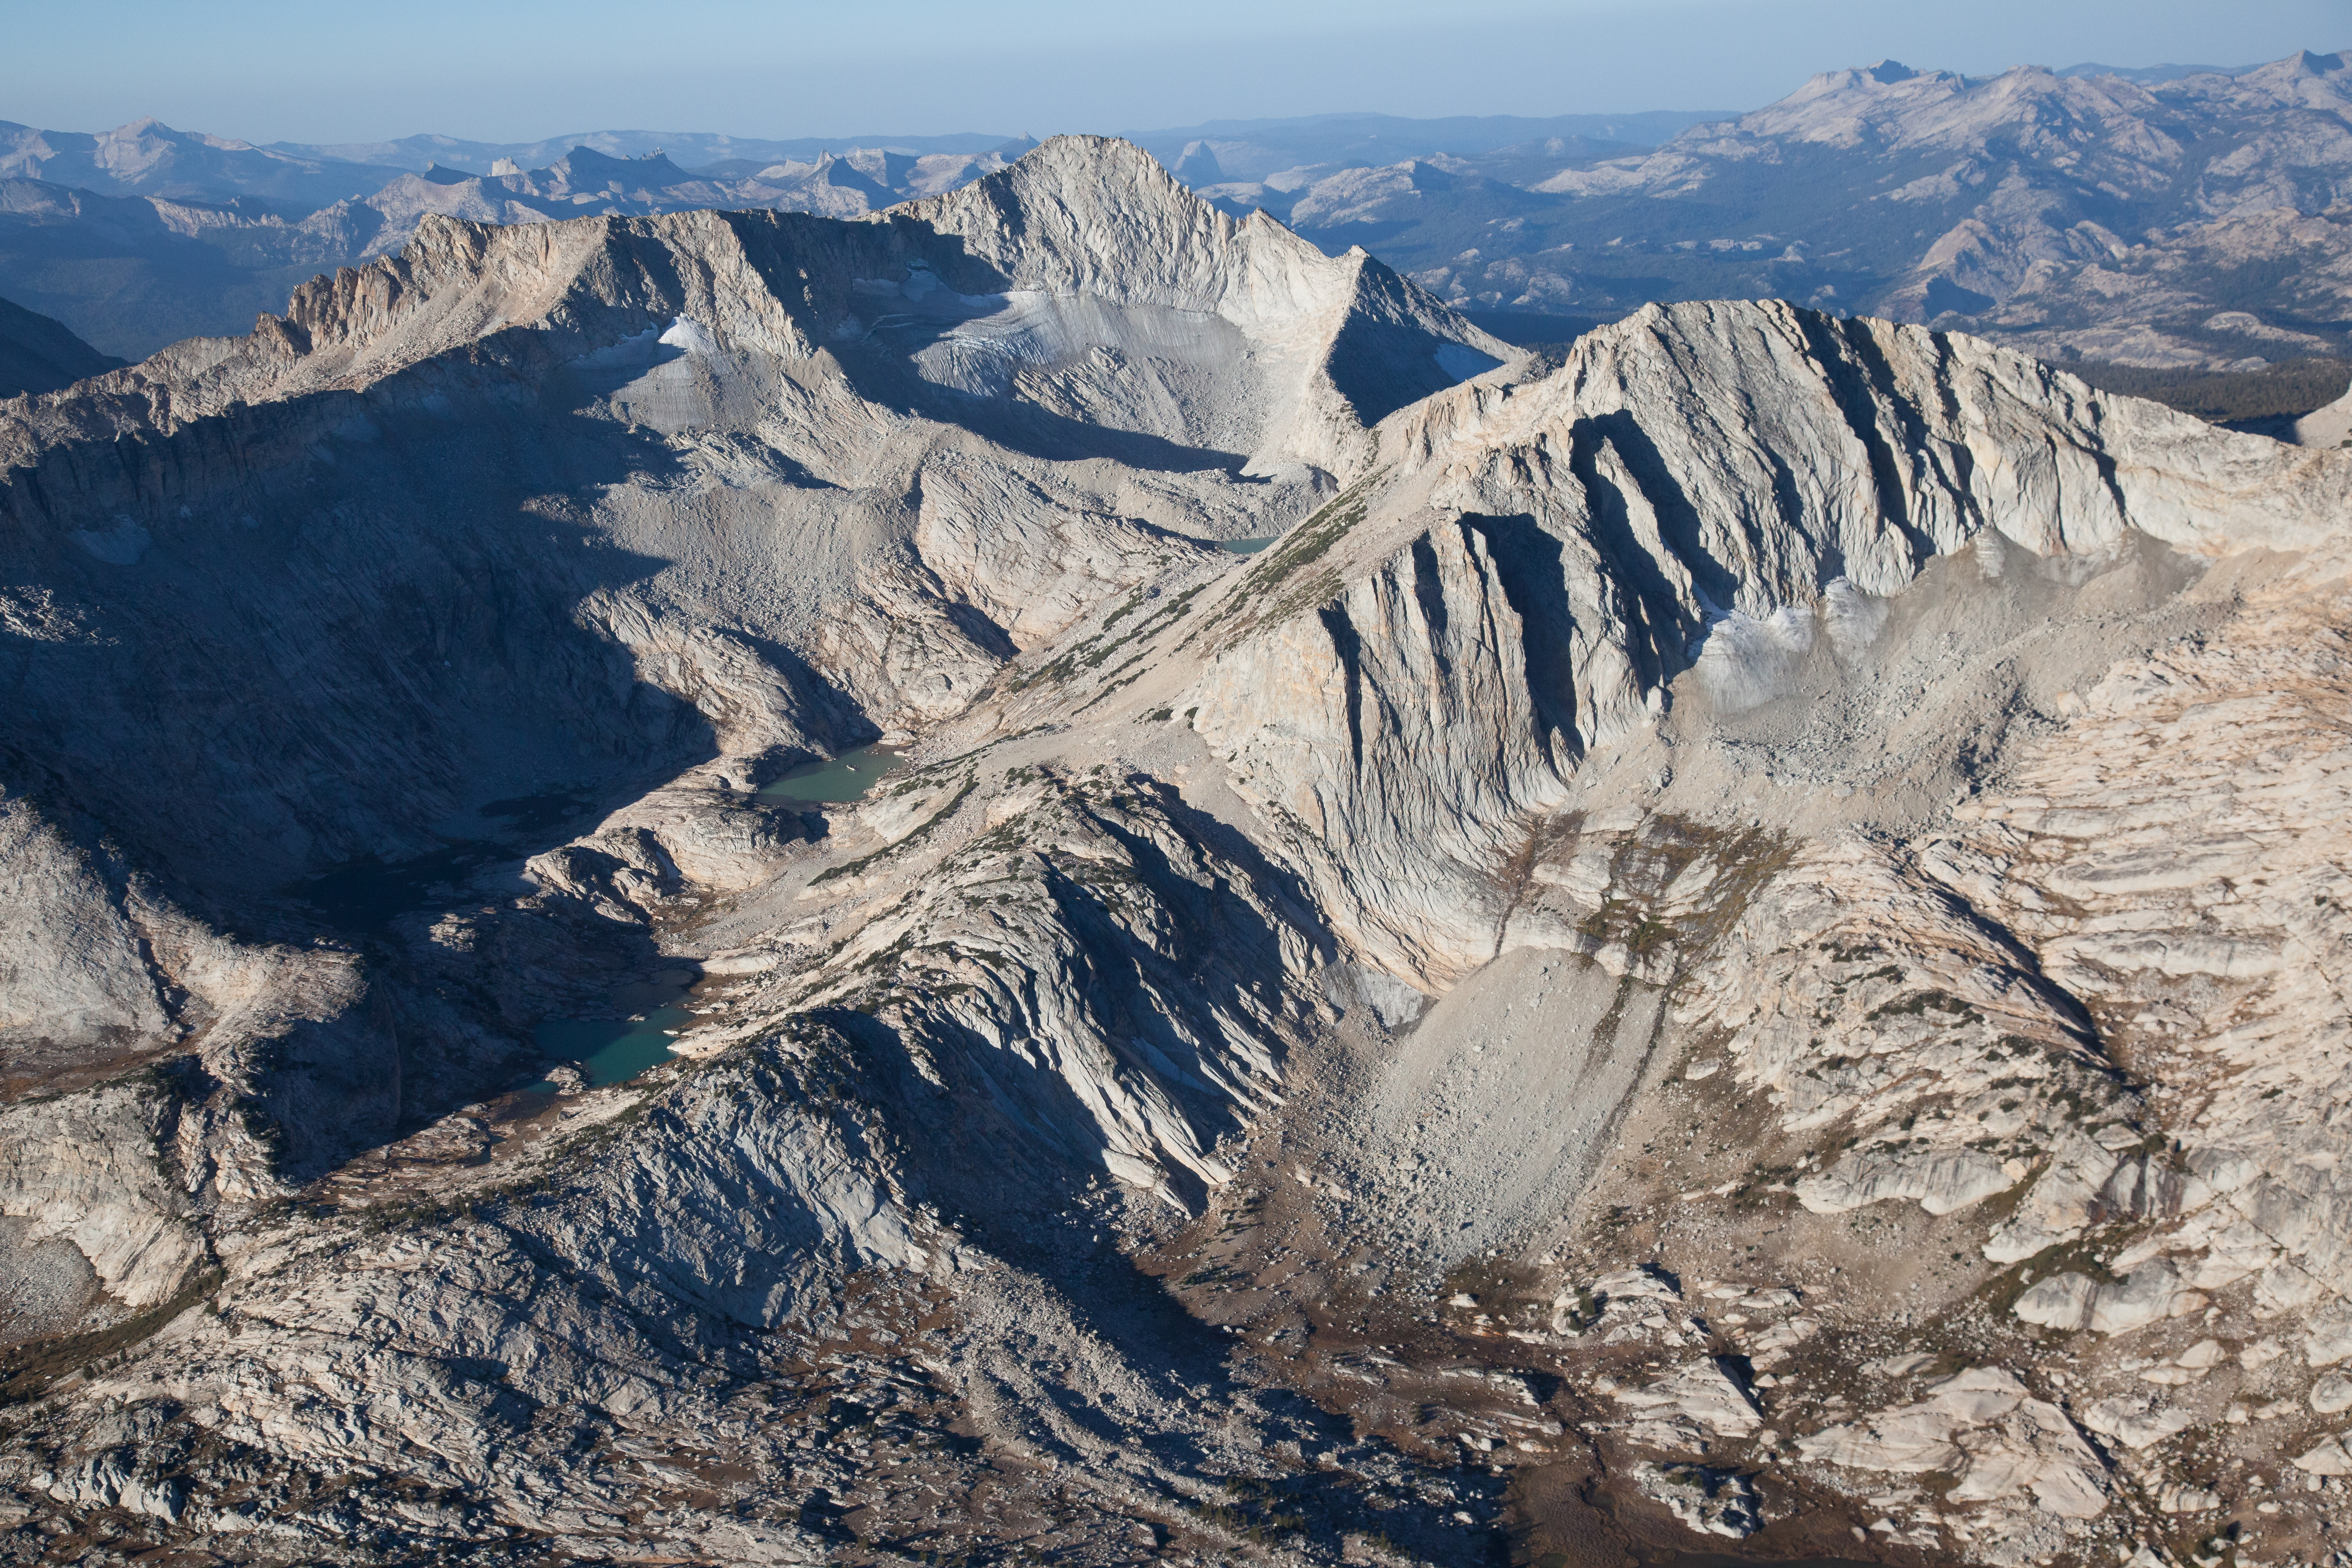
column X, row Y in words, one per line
column 268, row 70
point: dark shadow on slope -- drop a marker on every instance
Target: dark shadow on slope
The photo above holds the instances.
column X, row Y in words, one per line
column 1291, row 899
column 1659, row 640
column 1349, row 647
column 1680, row 528
column 983, row 633
column 1381, row 366
column 884, row 372
column 1206, row 962
column 1153, row 1010
column 1017, row 1193
column 1863, row 384
column 363, row 897
column 1943, row 295
column 1535, row 584
column 361, row 669
column 360, row 626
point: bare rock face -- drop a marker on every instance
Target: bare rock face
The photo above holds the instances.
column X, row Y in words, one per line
column 82, row 1171
column 2005, row 1446
column 1733, row 940
column 78, row 971
column 1617, row 523
column 2329, row 427
column 1713, row 1502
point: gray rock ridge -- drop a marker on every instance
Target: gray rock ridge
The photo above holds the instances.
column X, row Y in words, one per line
column 588, row 284
column 1536, row 563
column 1546, row 711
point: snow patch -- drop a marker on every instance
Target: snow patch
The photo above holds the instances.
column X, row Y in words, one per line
column 1461, row 361
column 1746, row 662
column 687, row 334
column 120, row 545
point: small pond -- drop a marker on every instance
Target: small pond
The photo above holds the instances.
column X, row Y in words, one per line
column 845, row 778
column 616, row 1050
column 1246, row 546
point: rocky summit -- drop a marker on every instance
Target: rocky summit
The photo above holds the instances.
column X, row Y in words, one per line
column 1254, row 927
column 2184, row 222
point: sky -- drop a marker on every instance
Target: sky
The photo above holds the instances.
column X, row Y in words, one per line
column 267, row 71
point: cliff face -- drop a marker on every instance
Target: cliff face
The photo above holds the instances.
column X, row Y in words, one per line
column 1676, row 921
column 1705, row 489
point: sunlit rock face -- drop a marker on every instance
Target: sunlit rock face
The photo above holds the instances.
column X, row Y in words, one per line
column 1732, row 936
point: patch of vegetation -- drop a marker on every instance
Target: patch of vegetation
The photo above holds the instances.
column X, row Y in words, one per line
column 27, row 1371
column 1256, row 599
column 1311, row 540
column 1920, row 1003
column 2001, row 1293
column 1745, row 859
column 1126, row 607
column 1585, row 1315
column 2288, row 390
column 1092, row 652
column 420, row 1214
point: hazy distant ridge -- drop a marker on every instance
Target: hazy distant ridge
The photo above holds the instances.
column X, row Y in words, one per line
column 2181, row 218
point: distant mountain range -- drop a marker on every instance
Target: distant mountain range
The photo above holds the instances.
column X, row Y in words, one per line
column 2156, row 73
column 148, row 158
column 693, row 148
column 1308, row 139
column 2173, row 217
column 2197, row 221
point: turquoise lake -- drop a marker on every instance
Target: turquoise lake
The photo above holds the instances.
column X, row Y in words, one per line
column 616, row 1050
column 844, row 779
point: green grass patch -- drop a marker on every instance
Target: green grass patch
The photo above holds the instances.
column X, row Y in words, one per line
column 29, row 1369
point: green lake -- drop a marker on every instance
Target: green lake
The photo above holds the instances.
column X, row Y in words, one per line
column 845, row 778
